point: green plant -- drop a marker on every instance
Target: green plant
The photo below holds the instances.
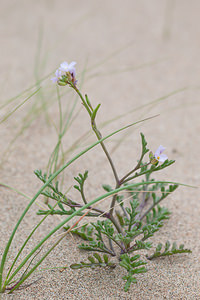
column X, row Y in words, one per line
column 139, row 218
column 133, row 217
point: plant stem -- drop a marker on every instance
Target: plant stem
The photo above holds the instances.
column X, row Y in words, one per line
column 102, row 213
column 124, row 179
column 151, row 207
column 83, row 195
column 68, row 202
column 112, row 219
column 136, row 175
column 111, row 246
column 97, row 132
column 99, row 137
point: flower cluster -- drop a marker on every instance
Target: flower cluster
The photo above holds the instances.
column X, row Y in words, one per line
column 68, row 75
column 158, row 156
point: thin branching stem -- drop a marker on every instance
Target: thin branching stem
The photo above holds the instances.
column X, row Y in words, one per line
column 151, row 207
column 124, row 179
column 111, row 246
column 83, row 194
column 97, row 132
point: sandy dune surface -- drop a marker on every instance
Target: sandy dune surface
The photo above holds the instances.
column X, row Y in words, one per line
column 133, row 53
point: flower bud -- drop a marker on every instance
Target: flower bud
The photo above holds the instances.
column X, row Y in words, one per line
column 152, row 158
column 62, row 83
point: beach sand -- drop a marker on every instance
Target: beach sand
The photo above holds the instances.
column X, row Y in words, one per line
column 133, row 53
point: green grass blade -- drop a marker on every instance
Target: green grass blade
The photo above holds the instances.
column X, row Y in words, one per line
column 18, row 106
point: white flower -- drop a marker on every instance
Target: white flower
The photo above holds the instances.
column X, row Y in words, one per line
column 159, row 156
column 57, row 76
column 68, row 76
column 65, row 67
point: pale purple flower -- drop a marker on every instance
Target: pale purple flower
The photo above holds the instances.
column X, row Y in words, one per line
column 57, row 76
column 159, row 156
column 65, row 67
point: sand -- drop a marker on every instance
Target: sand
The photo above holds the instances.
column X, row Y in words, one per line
column 134, row 52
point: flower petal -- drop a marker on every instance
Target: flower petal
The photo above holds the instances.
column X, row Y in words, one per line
column 163, row 158
column 58, row 73
column 64, row 67
column 57, row 76
column 54, row 79
column 72, row 64
column 159, row 150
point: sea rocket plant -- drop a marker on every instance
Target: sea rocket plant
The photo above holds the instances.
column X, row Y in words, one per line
column 121, row 229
